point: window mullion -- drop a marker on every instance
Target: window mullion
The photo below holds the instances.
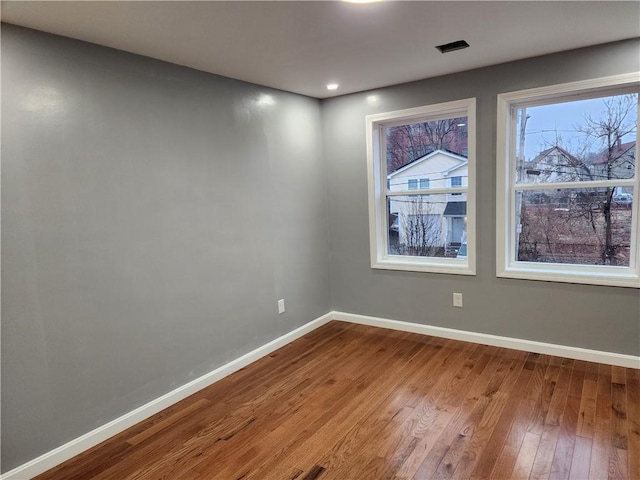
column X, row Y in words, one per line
column 429, row 191
column 575, row 185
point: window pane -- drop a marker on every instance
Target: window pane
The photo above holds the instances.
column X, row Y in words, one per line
column 584, row 140
column 426, row 225
column 412, row 184
column 412, row 142
column 588, row 226
column 424, row 183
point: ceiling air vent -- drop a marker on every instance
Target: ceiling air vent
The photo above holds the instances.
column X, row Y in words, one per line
column 450, row 47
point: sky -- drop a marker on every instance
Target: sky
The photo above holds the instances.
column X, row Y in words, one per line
column 563, row 120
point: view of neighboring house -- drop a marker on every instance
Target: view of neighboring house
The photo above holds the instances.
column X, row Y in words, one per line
column 557, row 165
column 552, row 165
column 551, row 219
column 619, row 163
column 434, row 224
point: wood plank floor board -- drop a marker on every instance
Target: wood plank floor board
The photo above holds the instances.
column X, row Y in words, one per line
column 319, row 410
column 543, row 402
column 490, row 455
column 434, row 414
column 472, row 447
column 351, row 402
column 633, row 419
column 586, row 420
column 601, row 447
column 563, row 455
column 526, row 400
column 526, row 456
column 471, row 410
column 356, row 395
column 354, row 447
column 581, row 460
column 331, row 434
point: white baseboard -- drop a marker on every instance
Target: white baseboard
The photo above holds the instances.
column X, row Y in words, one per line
column 100, row 434
column 94, row 437
column 618, row 359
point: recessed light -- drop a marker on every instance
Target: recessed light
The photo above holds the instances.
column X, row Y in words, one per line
column 332, row 86
column 450, row 47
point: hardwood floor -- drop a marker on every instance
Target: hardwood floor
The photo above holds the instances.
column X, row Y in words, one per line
column 350, row 402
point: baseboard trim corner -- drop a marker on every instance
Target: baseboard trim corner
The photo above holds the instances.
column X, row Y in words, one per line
column 78, row 445
column 576, row 353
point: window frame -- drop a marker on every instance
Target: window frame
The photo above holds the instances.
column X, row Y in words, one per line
column 378, row 192
column 506, row 264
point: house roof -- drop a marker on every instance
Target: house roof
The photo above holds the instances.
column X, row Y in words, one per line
column 454, row 168
column 455, row 209
column 618, row 152
column 545, row 153
column 428, row 156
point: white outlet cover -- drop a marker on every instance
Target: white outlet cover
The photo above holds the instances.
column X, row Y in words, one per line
column 457, row 300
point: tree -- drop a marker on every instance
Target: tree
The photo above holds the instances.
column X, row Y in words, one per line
column 421, row 228
column 406, row 143
column 610, row 129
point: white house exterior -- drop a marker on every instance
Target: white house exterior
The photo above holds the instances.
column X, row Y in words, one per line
column 440, row 216
column 552, row 165
column 620, row 162
column 557, row 165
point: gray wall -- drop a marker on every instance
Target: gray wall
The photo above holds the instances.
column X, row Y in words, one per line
column 601, row 318
column 152, row 215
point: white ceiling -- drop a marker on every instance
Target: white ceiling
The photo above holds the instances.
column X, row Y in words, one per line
column 300, row 46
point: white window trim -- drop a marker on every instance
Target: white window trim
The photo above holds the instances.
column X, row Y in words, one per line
column 376, row 172
column 506, row 265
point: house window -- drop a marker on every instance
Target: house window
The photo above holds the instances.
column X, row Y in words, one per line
column 409, row 197
column 568, row 190
column 456, row 182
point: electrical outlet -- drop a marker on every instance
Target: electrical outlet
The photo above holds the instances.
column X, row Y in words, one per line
column 457, row 300
column 281, row 306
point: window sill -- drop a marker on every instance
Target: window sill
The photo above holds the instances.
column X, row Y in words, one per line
column 448, row 266
column 611, row 278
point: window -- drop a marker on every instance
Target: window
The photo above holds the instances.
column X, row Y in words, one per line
column 568, row 190
column 456, row 182
column 413, row 224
